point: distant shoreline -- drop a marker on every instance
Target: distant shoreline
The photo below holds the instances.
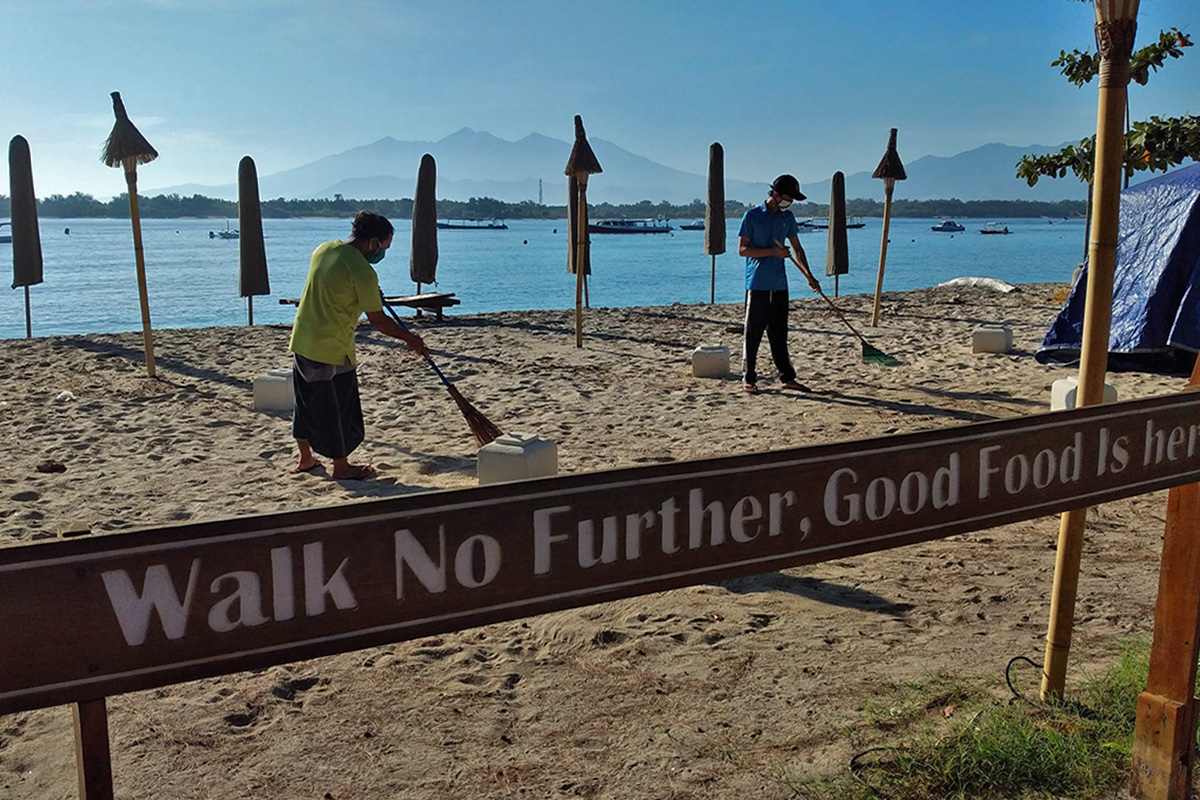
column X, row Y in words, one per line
column 82, row 206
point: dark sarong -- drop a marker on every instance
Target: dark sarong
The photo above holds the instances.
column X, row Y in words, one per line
column 328, row 413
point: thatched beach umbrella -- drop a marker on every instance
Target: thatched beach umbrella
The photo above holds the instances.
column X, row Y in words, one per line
column 1116, row 26
column 423, row 257
column 252, row 275
column 26, row 242
column 580, row 165
column 890, row 170
column 837, row 256
column 126, row 147
column 714, row 212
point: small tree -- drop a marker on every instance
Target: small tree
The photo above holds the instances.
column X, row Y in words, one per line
column 1156, row 145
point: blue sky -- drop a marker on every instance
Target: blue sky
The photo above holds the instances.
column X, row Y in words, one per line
column 804, row 87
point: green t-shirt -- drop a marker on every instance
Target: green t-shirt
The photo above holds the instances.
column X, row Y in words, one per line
column 341, row 286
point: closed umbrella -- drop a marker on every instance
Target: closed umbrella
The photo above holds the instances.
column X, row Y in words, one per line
column 890, row 169
column 26, row 242
column 423, row 257
column 126, row 147
column 252, row 275
column 714, row 212
column 837, row 256
column 573, row 220
column 580, row 165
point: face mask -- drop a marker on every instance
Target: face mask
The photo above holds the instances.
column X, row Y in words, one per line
column 783, row 203
column 375, row 258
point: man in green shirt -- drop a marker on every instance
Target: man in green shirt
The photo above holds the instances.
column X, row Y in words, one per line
column 342, row 285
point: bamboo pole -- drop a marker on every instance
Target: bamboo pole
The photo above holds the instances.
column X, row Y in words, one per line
column 1116, row 39
column 888, row 185
column 140, row 257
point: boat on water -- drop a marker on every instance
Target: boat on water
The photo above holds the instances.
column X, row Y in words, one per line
column 228, row 233
column 692, row 226
column 473, row 225
column 630, row 226
column 5, row 236
column 995, row 228
column 948, row 226
column 823, row 224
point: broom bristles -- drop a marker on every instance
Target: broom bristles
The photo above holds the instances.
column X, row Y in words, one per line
column 484, row 430
column 873, row 355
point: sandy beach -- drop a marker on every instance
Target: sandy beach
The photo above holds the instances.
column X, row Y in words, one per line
column 713, row 691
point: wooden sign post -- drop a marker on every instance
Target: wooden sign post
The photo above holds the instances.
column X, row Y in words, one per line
column 1164, row 742
column 92, row 760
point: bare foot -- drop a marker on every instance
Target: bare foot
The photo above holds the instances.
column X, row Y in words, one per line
column 353, row 472
column 307, row 466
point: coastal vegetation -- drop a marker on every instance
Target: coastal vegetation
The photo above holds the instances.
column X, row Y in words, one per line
column 174, row 206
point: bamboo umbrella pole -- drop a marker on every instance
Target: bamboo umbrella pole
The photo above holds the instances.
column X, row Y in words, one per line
column 1116, row 25
column 127, row 147
column 581, row 163
column 888, row 185
column 140, row 259
column 890, row 169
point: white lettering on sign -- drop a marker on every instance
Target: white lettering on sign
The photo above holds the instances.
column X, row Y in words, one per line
column 158, row 594
column 1112, row 455
column 1020, row 472
column 1173, row 445
column 845, row 504
column 601, row 541
column 478, row 551
column 243, row 606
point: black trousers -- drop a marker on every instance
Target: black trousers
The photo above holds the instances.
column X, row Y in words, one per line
column 328, row 414
column 766, row 311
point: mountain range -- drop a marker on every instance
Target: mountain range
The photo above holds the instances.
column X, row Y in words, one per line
column 477, row 164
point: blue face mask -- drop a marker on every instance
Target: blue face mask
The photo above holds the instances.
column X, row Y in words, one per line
column 375, row 258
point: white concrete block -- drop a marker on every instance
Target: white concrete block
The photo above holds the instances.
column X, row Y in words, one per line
column 1063, row 391
column 710, row 361
column 516, row 456
column 991, row 339
column 273, row 391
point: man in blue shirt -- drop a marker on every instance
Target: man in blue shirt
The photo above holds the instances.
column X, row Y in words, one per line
column 759, row 240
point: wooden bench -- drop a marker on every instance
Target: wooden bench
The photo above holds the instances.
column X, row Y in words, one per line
column 436, row 301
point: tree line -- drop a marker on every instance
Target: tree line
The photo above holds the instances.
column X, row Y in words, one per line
column 174, row 206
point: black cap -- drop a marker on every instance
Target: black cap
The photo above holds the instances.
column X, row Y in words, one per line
column 786, row 184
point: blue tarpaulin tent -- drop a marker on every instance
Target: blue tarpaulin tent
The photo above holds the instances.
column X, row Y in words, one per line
column 1156, row 282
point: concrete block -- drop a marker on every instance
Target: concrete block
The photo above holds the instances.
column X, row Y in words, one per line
column 1063, row 391
column 991, row 339
column 273, row 391
column 710, row 361
column 515, row 457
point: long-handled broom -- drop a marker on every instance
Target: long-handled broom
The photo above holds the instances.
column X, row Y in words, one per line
column 484, row 430
column 870, row 354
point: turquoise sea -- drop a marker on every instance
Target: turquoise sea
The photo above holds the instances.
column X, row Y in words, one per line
column 90, row 283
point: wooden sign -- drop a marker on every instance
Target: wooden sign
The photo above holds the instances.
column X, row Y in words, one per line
column 99, row 616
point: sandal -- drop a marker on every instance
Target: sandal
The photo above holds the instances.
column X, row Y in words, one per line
column 750, row 388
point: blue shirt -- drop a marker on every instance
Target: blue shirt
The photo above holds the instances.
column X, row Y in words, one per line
column 763, row 229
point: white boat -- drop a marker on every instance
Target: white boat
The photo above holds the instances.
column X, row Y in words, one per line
column 630, row 226
column 948, row 226
column 473, row 225
column 5, row 236
column 228, row 233
column 995, row 228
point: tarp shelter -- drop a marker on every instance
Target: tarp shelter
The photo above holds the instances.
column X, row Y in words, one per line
column 1156, row 283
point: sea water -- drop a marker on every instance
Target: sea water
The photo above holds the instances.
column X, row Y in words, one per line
column 90, row 277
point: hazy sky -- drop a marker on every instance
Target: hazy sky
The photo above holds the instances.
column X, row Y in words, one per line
column 800, row 86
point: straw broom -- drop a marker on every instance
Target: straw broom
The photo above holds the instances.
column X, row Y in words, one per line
column 127, row 147
column 870, row 354
column 484, row 430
